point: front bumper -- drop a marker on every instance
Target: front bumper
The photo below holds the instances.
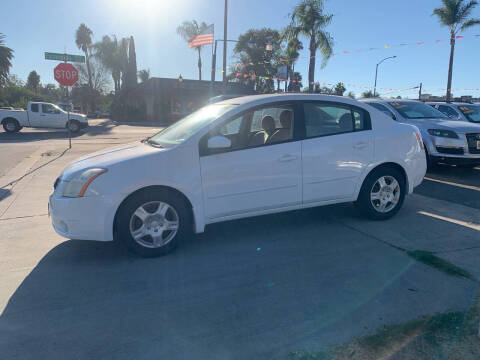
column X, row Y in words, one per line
column 83, row 125
column 452, row 160
column 85, row 218
column 453, row 151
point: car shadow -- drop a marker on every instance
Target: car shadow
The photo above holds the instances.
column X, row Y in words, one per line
column 454, row 184
column 251, row 288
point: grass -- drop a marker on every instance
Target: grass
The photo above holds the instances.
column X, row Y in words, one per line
column 451, row 336
column 432, row 260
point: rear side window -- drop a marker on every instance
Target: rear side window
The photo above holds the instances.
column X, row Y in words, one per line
column 322, row 119
column 34, row 107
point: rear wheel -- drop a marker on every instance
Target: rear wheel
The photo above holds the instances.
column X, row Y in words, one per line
column 11, row 125
column 152, row 222
column 382, row 193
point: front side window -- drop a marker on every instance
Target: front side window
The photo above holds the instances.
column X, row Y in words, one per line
column 471, row 112
column 262, row 126
column 322, row 119
column 183, row 129
column 50, row 109
column 416, row 110
column 447, row 110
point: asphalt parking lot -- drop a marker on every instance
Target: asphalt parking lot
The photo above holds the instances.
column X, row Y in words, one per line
column 246, row 289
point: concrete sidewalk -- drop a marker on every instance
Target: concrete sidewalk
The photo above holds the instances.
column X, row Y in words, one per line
column 252, row 288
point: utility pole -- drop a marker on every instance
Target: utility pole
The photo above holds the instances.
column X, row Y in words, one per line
column 225, row 45
column 420, row 92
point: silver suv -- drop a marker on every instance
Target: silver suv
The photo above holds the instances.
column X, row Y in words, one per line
column 459, row 110
column 446, row 140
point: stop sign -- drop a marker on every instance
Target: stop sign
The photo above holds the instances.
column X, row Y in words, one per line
column 65, row 74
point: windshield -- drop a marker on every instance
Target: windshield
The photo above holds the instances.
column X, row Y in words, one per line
column 471, row 112
column 183, row 129
column 416, row 110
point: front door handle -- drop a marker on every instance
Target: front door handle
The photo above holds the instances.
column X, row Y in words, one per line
column 287, row 157
column 360, row 145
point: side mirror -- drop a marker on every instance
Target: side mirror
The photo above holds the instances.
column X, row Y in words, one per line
column 394, row 117
column 219, row 142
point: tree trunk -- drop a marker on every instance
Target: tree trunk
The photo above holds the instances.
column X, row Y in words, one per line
column 311, row 67
column 199, row 64
column 92, row 102
column 450, row 67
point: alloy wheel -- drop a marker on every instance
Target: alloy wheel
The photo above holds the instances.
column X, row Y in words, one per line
column 154, row 224
column 385, row 194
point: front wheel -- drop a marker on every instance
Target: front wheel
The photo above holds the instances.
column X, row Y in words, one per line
column 73, row 126
column 382, row 193
column 152, row 222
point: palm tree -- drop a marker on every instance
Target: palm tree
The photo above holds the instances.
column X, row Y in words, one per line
column 456, row 15
column 308, row 19
column 188, row 30
column 6, row 55
column 83, row 39
column 144, row 75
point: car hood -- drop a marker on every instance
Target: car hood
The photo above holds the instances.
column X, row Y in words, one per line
column 109, row 157
column 455, row 125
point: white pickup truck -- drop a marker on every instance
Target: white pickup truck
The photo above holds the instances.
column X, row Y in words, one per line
column 41, row 115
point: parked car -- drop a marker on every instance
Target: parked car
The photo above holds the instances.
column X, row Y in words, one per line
column 241, row 157
column 459, row 111
column 104, row 114
column 446, row 141
column 41, row 115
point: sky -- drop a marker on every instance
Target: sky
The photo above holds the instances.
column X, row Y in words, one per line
column 34, row 27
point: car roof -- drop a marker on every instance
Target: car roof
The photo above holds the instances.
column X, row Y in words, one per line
column 386, row 100
column 451, row 103
column 266, row 98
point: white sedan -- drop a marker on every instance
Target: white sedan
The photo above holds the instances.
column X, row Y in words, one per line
column 241, row 157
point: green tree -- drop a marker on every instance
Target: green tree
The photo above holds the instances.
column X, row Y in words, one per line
column 290, row 56
column 33, row 81
column 369, row 94
column 6, row 55
column 131, row 65
column 188, row 30
column 144, row 75
column 339, row 89
column 309, row 20
column 258, row 66
column 456, row 14
column 112, row 57
column 351, row 95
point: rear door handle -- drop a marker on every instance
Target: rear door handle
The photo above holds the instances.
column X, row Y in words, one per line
column 360, row 145
column 287, row 157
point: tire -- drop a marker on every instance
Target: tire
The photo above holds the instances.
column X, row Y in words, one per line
column 11, row 126
column 154, row 225
column 393, row 200
column 73, row 126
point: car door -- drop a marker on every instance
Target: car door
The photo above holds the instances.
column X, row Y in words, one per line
column 34, row 115
column 51, row 117
column 249, row 177
column 338, row 147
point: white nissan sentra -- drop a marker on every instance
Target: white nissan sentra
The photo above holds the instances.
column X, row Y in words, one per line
column 241, row 157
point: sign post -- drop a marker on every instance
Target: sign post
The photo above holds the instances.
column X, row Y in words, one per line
column 66, row 75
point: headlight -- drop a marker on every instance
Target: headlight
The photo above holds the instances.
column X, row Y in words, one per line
column 443, row 133
column 77, row 185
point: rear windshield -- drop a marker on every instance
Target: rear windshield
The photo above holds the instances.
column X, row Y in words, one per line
column 416, row 110
column 471, row 112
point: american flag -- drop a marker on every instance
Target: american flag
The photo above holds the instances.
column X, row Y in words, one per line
column 204, row 38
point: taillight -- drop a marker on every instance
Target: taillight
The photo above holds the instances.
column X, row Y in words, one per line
column 419, row 139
